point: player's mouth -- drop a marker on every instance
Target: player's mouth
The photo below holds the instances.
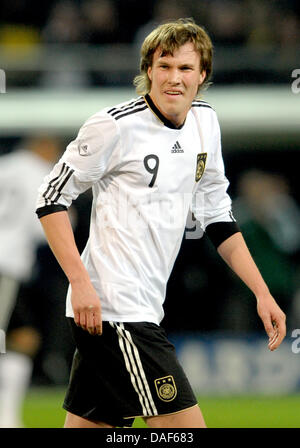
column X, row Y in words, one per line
column 173, row 93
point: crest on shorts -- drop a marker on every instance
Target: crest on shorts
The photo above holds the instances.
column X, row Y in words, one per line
column 201, row 161
column 166, row 388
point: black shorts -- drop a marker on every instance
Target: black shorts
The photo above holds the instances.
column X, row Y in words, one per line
column 130, row 371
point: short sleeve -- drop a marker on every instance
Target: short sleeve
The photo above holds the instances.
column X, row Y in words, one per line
column 85, row 161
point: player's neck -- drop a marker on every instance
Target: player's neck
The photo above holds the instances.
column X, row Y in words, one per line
column 170, row 122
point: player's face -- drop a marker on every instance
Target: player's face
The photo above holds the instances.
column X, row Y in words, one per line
column 175, row 80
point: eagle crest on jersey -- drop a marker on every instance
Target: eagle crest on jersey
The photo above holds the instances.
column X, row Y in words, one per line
column 166, row 388
column 201, row 161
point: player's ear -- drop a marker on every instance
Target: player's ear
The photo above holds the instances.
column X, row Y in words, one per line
column 202, row 77
column 149, row 73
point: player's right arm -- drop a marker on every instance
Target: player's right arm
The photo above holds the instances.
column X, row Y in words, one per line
column 86, row 160
column 85, row 301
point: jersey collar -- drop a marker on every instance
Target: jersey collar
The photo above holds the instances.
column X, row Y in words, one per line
column 159, row 115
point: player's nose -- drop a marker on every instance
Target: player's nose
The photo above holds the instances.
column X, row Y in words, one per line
column 174, row 77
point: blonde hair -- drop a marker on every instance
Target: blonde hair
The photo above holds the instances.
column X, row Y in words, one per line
column 169, row 37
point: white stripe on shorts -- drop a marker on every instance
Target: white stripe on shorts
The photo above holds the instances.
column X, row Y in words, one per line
column 135, row 369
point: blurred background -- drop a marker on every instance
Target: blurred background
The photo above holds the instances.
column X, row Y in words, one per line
column 65, row 60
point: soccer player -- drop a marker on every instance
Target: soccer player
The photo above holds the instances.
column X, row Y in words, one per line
column 149, row 161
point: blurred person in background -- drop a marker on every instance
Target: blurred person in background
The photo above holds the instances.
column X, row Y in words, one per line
column 21, row 173
column 228, row 21
column 262, row 33
column 101, row 21
column 270, row 221
column 273, row 25
column 163, row 11
column 65, row 26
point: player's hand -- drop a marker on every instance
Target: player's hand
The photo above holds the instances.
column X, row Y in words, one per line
column 86, row 307
column 273, row 319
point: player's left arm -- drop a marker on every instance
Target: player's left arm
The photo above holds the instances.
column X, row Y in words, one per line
column 235, row 253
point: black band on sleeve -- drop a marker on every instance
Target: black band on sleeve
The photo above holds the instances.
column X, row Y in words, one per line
column 220, row 231
column 48, row 209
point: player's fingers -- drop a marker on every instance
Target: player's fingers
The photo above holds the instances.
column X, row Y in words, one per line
column 273, row 342
column 98, row 322
column 93, row 321
column 82, row 320
column 90, row 326
column 269, row 328
column 77, row 318
column 280, row 330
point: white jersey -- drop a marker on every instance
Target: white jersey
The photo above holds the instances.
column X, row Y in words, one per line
column 146, row 175
column 21, row 173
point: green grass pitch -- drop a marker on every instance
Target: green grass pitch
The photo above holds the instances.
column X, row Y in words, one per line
column 42, row 409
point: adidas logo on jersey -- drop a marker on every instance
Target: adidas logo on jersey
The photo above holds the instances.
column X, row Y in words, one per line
column 177, row 148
